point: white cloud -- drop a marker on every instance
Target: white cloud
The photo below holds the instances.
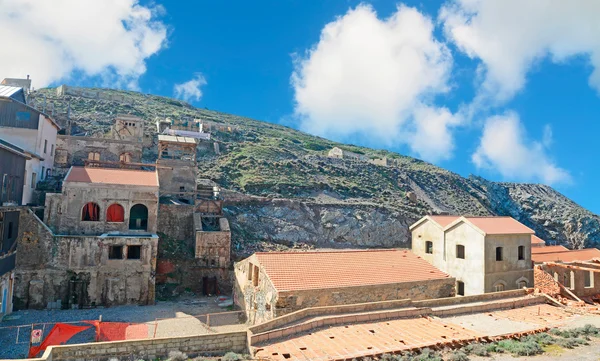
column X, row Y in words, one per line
column 511, row 36
column 505, row 148
column 191, row 89
column 53, row 40
column 375, row 79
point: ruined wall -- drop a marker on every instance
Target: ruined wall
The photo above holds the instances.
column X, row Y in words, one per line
column 256, row 299
column 77, row 269
column 583, row 283
column 213, row 247
column 174, row 276
column 74, row 150
column 178, row 174
column 176, row 221
column 63, row 211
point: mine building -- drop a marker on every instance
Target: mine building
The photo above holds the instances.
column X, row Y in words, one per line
column 272, row 284
column 484, row 254
column 97, row 244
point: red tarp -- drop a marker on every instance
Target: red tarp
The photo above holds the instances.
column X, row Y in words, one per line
column 115, row 213
column 119, row 331
column 59, row 334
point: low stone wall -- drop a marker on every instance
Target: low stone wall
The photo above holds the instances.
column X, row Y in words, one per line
column 216, row 344
column 449, row 301
column 328, row 310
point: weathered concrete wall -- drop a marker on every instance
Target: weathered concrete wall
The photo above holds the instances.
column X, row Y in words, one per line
column 510, row 271
column 176, row 221
column 63, row 211
column 77, row 269
column 178, row 174
column 263, row 302
column 78, row 148
column 470, row 270
column 216, row 344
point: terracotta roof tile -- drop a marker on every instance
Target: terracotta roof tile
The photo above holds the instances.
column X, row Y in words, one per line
column 537, row 240
column 291, row 271
column 500, row 225
column 112, row 176
column 444, row 220
column 567, row 256
column 549, row 249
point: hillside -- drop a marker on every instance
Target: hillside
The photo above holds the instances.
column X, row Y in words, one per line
column 283, row 189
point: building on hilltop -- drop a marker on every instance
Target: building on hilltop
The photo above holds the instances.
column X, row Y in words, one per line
column 98, row 245
column 124, row 145
column 340, row 153
column 484, row 254
column 35, row 133
column 269, row 285
column 24, row 84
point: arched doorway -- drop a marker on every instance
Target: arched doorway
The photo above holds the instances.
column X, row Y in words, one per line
column 138, row 217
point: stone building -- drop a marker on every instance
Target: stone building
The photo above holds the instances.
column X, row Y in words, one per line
column 98, row 245
column 268, row 285
column 484, row 254
column 340, row 153
column 123, row 145
column 9, row 231
column 177, row 167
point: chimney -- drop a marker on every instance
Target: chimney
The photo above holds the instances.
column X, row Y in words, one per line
column 27, row 76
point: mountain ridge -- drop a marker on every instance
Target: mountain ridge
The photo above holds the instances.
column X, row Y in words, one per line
column 288, row 191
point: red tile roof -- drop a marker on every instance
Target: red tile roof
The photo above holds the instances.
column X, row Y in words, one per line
column 112, row 176
column 444, row 220
column 489, row 225
column 500, row 225
column 549, row 249
column 292, row 271
column 535, row 240
column 567, row 256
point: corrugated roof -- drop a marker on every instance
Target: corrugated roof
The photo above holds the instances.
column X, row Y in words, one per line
column 13, row 149
column 291, row 271
column 568, row 256
column 8, row 91
column 175, row 139
column 549, row 249
column 535, row 240
column 112, row 176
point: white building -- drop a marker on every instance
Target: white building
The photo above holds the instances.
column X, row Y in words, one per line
column 32, row 131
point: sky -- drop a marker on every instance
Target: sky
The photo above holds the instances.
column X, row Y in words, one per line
column 504, row 89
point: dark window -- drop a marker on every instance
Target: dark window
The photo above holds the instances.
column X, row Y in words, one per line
column 250, row 268
column 138, row 217
column 498, row 253
column 429, row 247
column 521, row 252
column 460, row 251
column 255, row 277
column 90, row 212
column 33, row 180
column 115, row 252
column 45, row 145
column 460, row 288
column 181, row 188
column 522, row 284
column 9, row 233
column 134, row 252
column 43, row 172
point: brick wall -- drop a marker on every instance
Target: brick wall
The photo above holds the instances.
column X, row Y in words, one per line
column 216, row 344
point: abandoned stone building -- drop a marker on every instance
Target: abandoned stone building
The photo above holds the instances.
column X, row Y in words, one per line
column 484, row 254
column 124, row 144
column 340, row 153
column 98, row 245
column 9, row 232
column 177, row 168
column 268, row 285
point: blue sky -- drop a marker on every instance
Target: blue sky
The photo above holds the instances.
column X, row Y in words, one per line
column 504, row 90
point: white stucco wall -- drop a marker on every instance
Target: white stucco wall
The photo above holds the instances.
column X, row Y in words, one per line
column 470, row 270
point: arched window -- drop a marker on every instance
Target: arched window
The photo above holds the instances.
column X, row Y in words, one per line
column 115, row 213
column 90, row 212
column 138, row 217
column 125, row 158
column 499, row 286
column 94, row 155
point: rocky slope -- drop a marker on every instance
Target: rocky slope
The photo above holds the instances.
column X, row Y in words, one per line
column 283, row 189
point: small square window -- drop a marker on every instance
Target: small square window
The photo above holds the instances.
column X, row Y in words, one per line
column 115, row 252
column 460, row 251
column 134, row 252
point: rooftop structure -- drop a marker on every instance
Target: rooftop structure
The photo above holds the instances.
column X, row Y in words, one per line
column 487, row 225
column 13, row 92
column 112, row 176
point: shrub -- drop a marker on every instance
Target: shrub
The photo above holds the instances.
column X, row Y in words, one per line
column 520, row 348
column 566, row 343
column 427, row 355
column 232, row 356
column 479, row 350
column 458, row 356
